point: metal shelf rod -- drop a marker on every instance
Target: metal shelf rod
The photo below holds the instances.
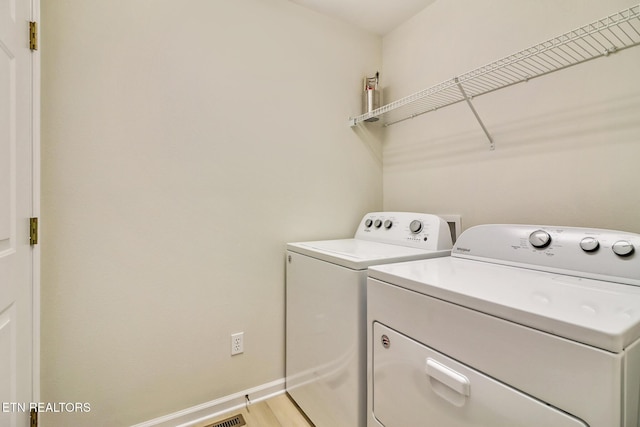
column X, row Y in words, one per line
column 475, row 113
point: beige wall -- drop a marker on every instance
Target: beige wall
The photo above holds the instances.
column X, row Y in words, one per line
column 567, row 144
column 183, row 144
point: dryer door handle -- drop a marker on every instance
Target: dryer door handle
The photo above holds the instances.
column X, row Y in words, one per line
column 448, row 377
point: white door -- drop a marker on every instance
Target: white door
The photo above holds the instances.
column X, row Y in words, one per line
column 18, row 201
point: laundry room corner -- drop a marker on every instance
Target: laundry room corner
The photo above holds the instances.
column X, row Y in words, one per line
column 184, row 143
column 566, row 143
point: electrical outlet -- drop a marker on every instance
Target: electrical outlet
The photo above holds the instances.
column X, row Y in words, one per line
column 237, row 343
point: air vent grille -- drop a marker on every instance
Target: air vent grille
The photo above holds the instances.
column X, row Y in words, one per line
column 235, row 421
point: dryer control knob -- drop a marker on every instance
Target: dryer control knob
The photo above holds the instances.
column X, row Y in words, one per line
column 539, row 239
column 368, row 223
column 589, row 244
column 623, row 248
column 378, row 223
column 415, row 226
column 388, row 224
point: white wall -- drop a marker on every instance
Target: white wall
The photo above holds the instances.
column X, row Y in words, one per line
column 567, row 144
column 184, row 143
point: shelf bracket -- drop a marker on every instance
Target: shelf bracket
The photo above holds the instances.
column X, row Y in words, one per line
column 475, row 113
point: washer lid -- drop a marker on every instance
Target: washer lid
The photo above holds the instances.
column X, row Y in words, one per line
column 599, row 313
column 359, row 254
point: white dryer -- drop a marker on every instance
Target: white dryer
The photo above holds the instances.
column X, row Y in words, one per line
column 522, row 326
column 326, row 309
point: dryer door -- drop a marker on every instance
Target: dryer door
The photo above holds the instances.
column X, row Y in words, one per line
column 414, row 385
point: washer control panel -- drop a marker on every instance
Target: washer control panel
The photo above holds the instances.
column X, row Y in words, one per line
column 586, row 252
column 412, row 229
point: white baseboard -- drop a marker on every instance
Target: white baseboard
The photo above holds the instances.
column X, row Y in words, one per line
column 213, row 409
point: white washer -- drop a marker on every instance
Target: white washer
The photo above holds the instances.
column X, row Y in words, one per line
column 522, row 326
column 326, row 309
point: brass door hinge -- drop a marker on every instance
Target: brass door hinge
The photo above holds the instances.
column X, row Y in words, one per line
column 33, row 35
column 33, row 231
column 33, row 418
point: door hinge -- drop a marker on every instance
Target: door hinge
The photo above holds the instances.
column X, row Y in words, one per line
column 33, row 231
column 33, row 418
column 33, row 35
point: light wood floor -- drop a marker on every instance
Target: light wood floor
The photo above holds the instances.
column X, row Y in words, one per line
column 279, row 411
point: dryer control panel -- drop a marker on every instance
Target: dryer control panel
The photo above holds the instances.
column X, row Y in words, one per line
column 584, row 252
column 418, row 230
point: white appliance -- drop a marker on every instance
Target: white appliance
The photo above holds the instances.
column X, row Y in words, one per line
column 326, row 309
column 522, row 326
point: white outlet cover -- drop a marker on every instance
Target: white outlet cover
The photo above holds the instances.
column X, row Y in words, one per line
column 237, row 343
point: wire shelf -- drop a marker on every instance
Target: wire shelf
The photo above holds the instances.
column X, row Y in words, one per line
column 600, row 38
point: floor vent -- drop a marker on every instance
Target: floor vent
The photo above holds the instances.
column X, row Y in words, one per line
column 235, row 421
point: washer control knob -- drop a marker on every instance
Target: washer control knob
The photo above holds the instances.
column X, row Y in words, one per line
column 388, row 224
column 622, row 248
column 539, row 239
column 368, row 223
column 415, row 226
column 589, row 244
column 378, row 223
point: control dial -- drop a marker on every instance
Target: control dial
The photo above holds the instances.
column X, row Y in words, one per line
column 378, row 223
column 415, row 226
column 368, row 223
column 539, row 239
column 388, row 224
column 623, row 248
column 589, row 244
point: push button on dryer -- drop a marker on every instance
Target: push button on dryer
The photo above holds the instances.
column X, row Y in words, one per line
column 622, row 248
column 589, row 244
